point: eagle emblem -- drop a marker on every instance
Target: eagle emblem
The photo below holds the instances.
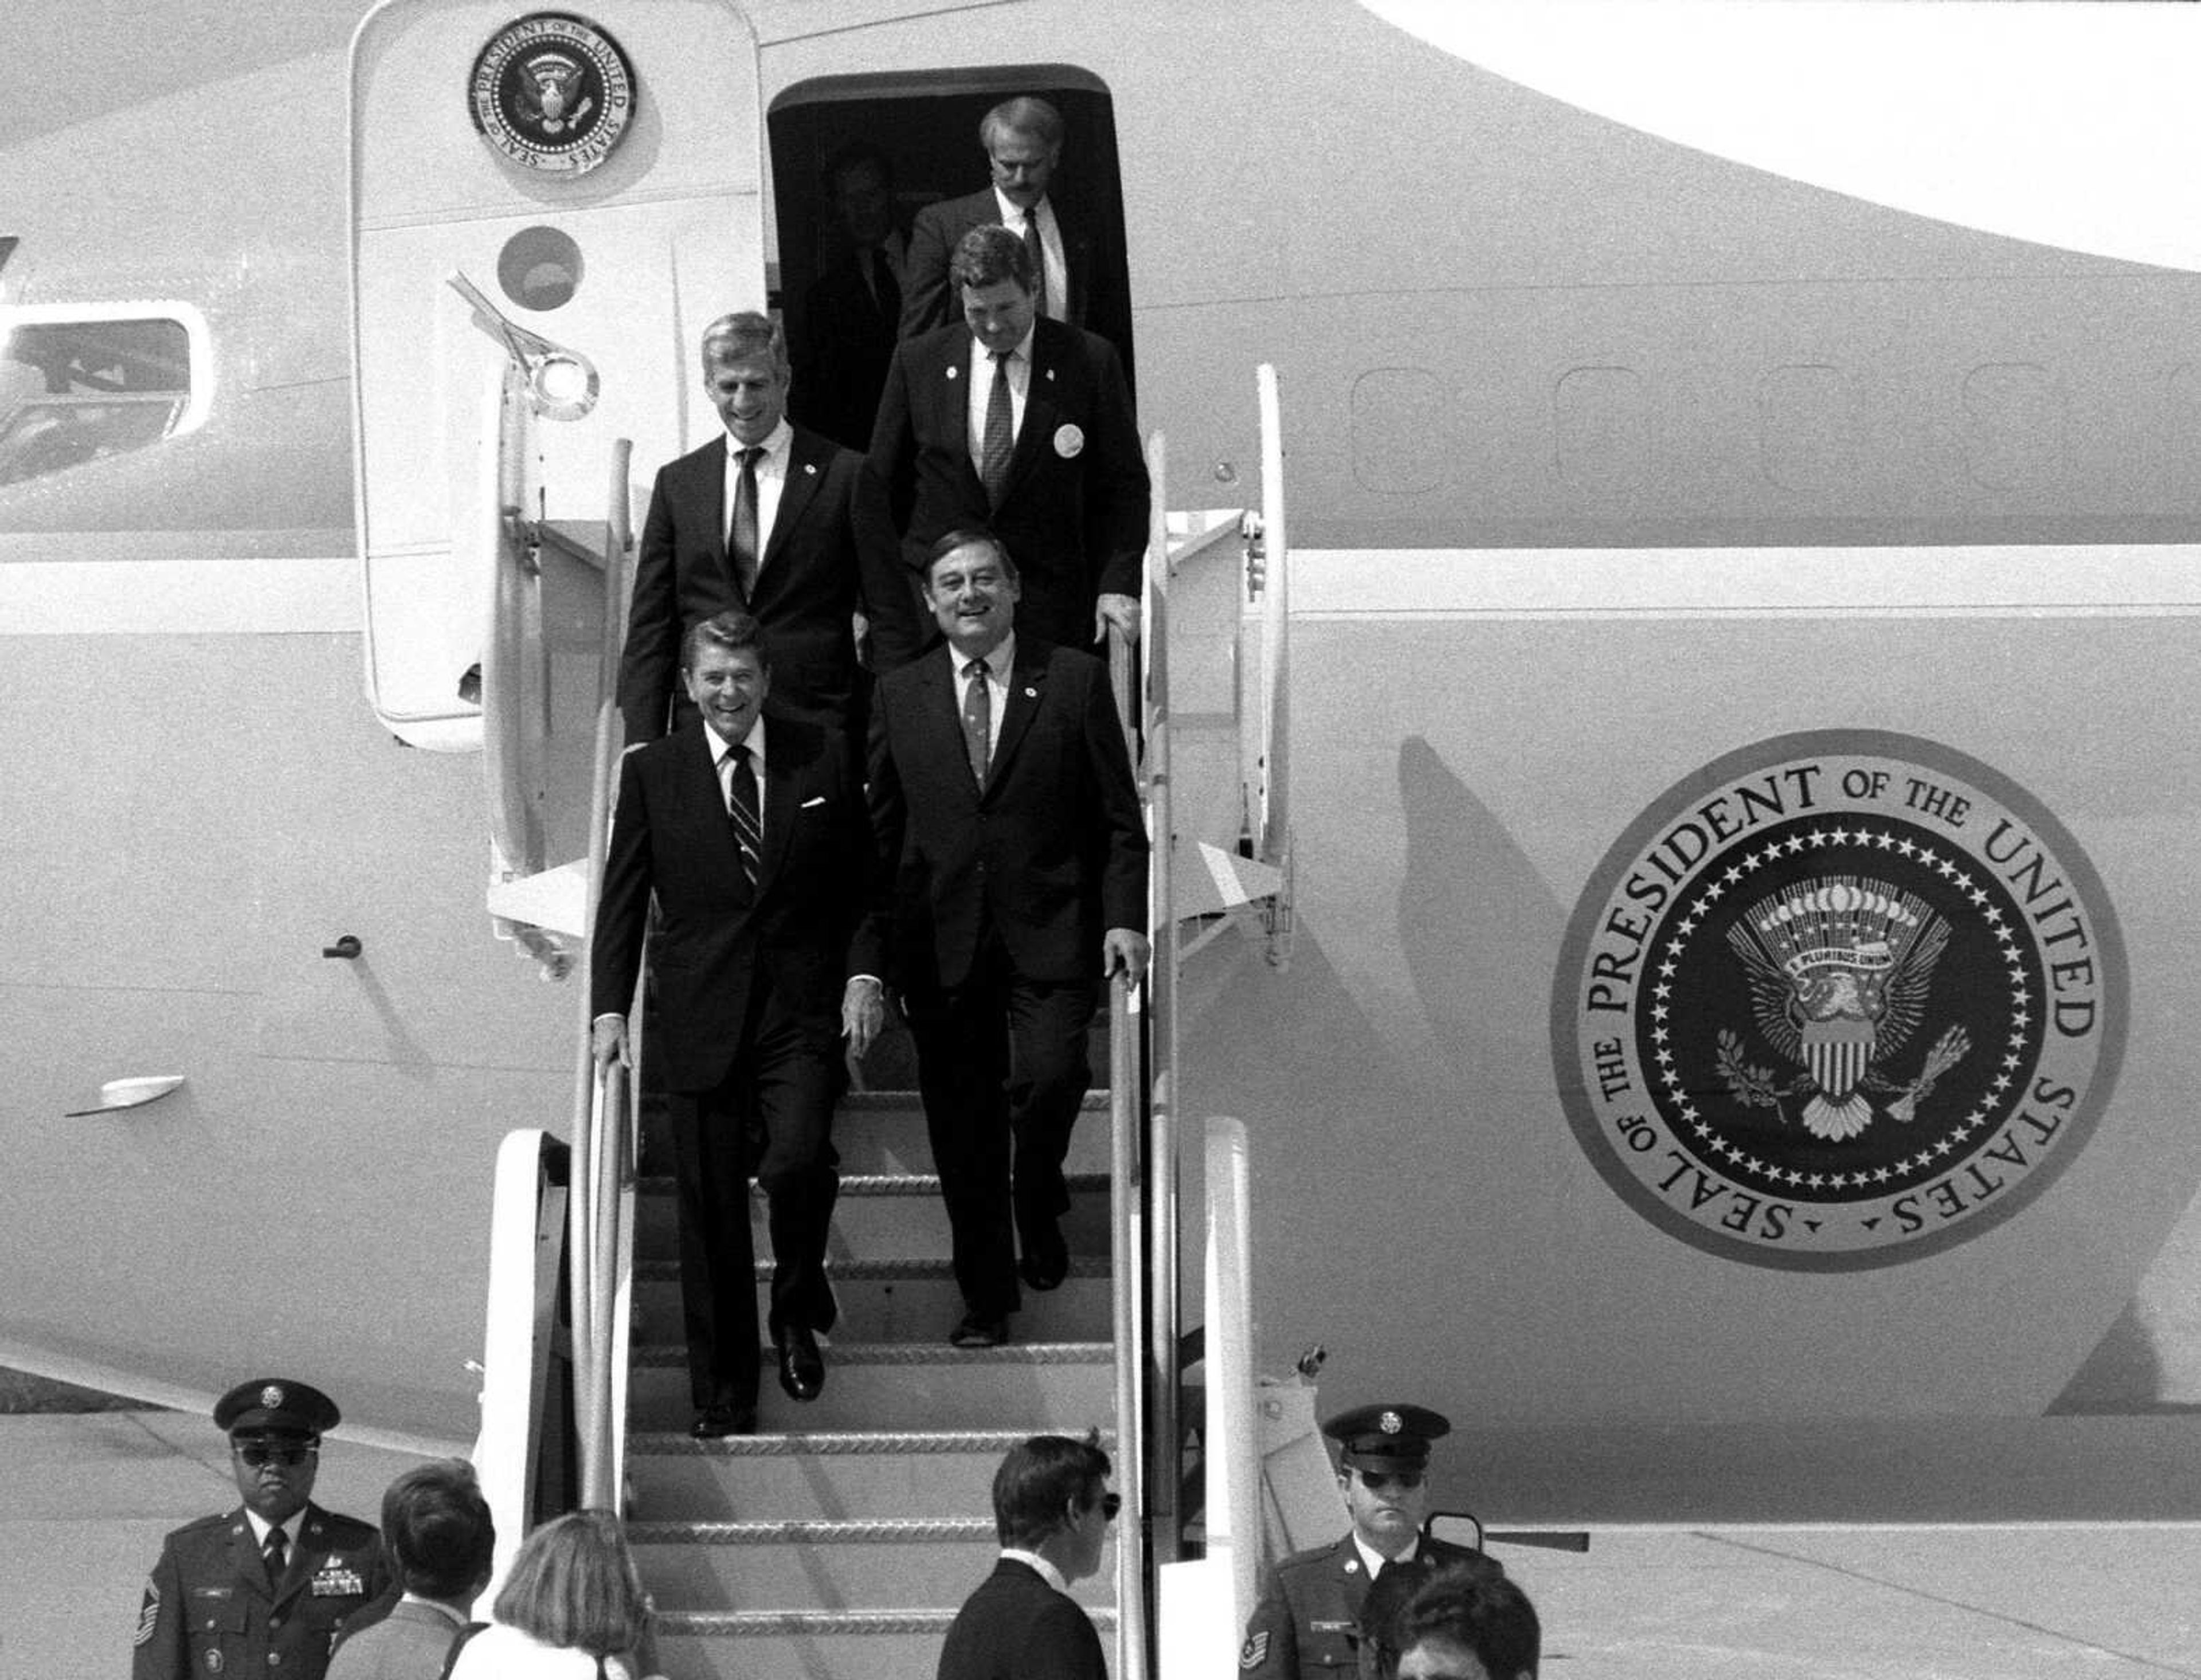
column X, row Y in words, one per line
column 549, row 93
column 272, row 1397
column 1839, row 969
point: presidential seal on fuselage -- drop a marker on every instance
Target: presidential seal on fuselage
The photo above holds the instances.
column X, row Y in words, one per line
column 553, row 92
column 1837, row 1000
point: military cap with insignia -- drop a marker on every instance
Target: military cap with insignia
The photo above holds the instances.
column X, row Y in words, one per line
column 1386, row 1438
column 275, row 1405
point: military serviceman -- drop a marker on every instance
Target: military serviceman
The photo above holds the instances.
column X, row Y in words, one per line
column 261, row 1593
column 1307, row 1622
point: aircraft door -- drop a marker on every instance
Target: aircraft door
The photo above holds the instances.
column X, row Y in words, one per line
column 594, row 183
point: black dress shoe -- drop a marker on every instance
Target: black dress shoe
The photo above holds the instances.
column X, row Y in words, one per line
column 1046, row 1259
column 801, row 1366
column 977, row 1331
column 714, row 1423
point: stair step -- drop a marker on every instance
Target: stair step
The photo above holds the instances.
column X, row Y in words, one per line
column 911, row 1300
column 1069, row 1384
column 880, row 1216
column 817, row 1645
column 676, row 1479
column 864, row 1564
column 883, row 1132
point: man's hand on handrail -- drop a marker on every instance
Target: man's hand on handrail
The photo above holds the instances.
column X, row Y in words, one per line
column 1126, row 949
column 608, row 1040
column 863, row 1013
column 1119, row 612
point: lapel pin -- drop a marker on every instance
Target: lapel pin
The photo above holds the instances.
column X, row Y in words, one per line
column 1031, row 694
column 810, row 467
column 955, row 373
column 1050, row 376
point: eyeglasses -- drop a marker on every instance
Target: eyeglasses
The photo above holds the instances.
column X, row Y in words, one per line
column 259, row 1453
column 1405, row 1480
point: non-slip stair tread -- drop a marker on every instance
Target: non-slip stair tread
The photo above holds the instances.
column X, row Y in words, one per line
column 809, row 1530
column 841, row 1442
column 664, row 1354
column 694, row 1622
column 873, row 1183
column 885, row 1269
column 887, row 1101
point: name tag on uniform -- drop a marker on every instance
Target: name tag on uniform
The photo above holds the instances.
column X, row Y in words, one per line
column 1332, row 1627
column 336, row 1582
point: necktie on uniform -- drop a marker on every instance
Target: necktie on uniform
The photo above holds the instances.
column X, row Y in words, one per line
column 978, row 721
column 742, row 807
column 275, row 1551
column 999, row 442
column 884, row 286
column 1038, row 250
column 742, row 540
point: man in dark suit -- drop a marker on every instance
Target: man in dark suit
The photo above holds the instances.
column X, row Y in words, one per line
column 1052, row 1509
column 752, row 840
column 1306, row 1623
column 441, row 1539
column 772, row 520
column 852, row 313
column 1010, row 827
column 261, row 1593
column 1023, row 427
column 1078, row 283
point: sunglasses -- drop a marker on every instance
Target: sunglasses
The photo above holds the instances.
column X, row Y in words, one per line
column 1407, row 1479
column 259, row 1453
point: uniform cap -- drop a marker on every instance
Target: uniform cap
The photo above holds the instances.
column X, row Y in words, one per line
column 1390, row 1438
column 274, row 1406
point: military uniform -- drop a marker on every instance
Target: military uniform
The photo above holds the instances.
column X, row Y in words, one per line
column 209, row 1610
column 1308, row 1618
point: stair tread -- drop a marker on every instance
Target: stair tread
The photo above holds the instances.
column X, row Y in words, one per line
column 871, row 1184
column 918, row 1353
column 705, row 1622
column 784, row 1530
column 846, row 1442
column 887, row 1268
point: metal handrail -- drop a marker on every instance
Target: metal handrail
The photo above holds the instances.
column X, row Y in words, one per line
column 602, row 1107
column 1163, row 1301
column 1276, row 602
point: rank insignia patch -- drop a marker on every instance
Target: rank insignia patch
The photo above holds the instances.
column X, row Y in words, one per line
column 552, row 92
column 149, row 1614
column 1837, row 1000
column 1255, row 1651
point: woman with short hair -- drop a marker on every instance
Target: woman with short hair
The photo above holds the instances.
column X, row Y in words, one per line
column 572, row 1609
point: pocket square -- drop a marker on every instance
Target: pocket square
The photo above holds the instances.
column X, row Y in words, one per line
column 817, row 799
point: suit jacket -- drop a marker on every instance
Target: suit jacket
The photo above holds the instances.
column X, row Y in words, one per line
column 411, row 1642
column 1017, row 1627
column 1309, row 1610
column 209, row 1607
column 1052, row 852
column 1073, row 513
column 784, row 947
column 831, row 550
column 848, row 337
column 1097, row 299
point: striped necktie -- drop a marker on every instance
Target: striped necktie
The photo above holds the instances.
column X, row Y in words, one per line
column 742, row 807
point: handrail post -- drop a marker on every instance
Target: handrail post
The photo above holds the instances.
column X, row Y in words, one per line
column 600, row 1119
column 1163, row 1304
column 1276, row 602
column 1132, row 1644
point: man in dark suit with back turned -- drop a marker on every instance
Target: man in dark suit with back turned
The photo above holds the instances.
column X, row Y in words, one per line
column 1010, row 827
column 754, row 840
column 1078, row 283
column 774, row 520
column 1021, row 426
column 1052, row 1509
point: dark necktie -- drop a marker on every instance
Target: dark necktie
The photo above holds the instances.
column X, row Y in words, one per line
column 741, row 543
column 1038, row 258
column 1001, row 439
column 883, row 287
column 276, row 1552
column 742, row 807
column 978, row 721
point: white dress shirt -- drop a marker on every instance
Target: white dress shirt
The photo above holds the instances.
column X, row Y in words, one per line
column 1050, row 245
column 999, row 664
column 770, row 477
column 982, row 394
column 1046, row 1571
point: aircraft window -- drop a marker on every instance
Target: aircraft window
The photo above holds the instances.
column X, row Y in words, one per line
column 77, row 391
column 540, row 268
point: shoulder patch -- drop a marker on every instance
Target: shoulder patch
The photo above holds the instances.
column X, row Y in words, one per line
column 149, row 1613
column 1255, row 1651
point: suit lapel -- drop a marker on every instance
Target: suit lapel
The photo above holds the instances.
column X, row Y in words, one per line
column 785, row 760
column 1027, row 687
column 707, row 491
column 246, row 1564
column 1043, row 407
column 804, row 459
column 703, row 801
